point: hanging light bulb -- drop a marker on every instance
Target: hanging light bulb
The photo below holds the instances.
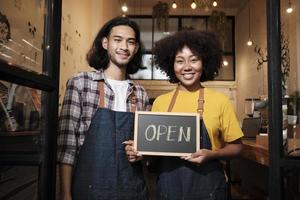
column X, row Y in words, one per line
column 289, row 8
column 215, row 3
column 225, row 63
column 124, row 8
column 193, row 5
column 174, row 5
column 249, row 43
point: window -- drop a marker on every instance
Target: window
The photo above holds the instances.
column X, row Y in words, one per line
column 29, row 66
column 150, row 34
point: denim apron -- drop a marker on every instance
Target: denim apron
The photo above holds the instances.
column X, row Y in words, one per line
column 180, row 179
column 102, row 170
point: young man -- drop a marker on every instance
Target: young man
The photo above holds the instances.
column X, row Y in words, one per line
column 97, row 116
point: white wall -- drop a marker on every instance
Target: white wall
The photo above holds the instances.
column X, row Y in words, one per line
column 291, row 29
column 250, row 81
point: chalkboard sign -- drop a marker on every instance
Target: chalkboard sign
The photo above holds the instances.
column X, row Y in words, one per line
column 166, row 133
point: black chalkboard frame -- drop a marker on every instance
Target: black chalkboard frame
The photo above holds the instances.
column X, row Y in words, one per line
column 157, row 152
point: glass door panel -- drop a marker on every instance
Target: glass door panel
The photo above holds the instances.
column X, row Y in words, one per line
column 20, row 111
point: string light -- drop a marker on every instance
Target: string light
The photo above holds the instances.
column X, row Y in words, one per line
column 215, row 3
column 193, row 5
column 174, row 5
column 289, row 8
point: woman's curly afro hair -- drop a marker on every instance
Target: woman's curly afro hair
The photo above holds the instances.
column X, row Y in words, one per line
column 205, row 45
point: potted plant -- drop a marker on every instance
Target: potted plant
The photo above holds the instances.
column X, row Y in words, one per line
column 160, row 13
column 285, row 60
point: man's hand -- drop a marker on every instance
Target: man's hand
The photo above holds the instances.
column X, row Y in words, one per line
column 132, row 154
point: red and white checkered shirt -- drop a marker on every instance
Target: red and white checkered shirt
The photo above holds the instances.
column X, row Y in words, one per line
column 79, row 106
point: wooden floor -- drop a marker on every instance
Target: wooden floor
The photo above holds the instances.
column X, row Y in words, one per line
column 18, row 182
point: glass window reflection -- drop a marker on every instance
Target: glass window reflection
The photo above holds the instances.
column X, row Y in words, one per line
column 22, row 33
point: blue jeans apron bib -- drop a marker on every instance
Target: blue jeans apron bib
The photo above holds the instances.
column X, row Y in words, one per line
column 102, row 170
column 180, row 179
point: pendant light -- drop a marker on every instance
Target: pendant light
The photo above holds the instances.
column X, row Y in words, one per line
column 124, row 8
column 249, row 42
column 174, row 5
column 193, row 5
column 215, row 3
column 225, row 62
column 289, row 8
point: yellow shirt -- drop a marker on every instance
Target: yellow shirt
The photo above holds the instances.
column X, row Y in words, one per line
column 218, row 115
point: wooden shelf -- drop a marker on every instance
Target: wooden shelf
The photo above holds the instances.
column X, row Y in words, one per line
column 20, row 142
column 19, row 133
column 255, row 152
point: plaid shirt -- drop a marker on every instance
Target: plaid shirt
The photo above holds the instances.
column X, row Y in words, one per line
column 79, row 106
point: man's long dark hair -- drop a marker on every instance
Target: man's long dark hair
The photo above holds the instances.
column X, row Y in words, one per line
column 97, row 56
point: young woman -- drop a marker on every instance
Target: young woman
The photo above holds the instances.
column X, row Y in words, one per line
column 189, row 58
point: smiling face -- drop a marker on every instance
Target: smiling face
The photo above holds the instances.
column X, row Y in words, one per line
column 121, row 45
column 188, row 69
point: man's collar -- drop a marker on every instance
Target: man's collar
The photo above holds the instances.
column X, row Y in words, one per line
column 99, row 75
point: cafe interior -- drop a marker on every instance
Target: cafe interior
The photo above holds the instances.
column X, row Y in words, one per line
column 44, row 42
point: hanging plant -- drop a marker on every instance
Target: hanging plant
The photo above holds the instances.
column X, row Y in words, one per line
column 218, row 23
column 160, row 13
column 262, row 57
column 285, row 58
column 285, row 61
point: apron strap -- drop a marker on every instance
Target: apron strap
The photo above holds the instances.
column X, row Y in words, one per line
column 171, row 105
column 200, row 101
column 101, row 97
column 132, row 98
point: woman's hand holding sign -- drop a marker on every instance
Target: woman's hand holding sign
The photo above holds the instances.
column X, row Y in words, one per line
column 200, row 156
